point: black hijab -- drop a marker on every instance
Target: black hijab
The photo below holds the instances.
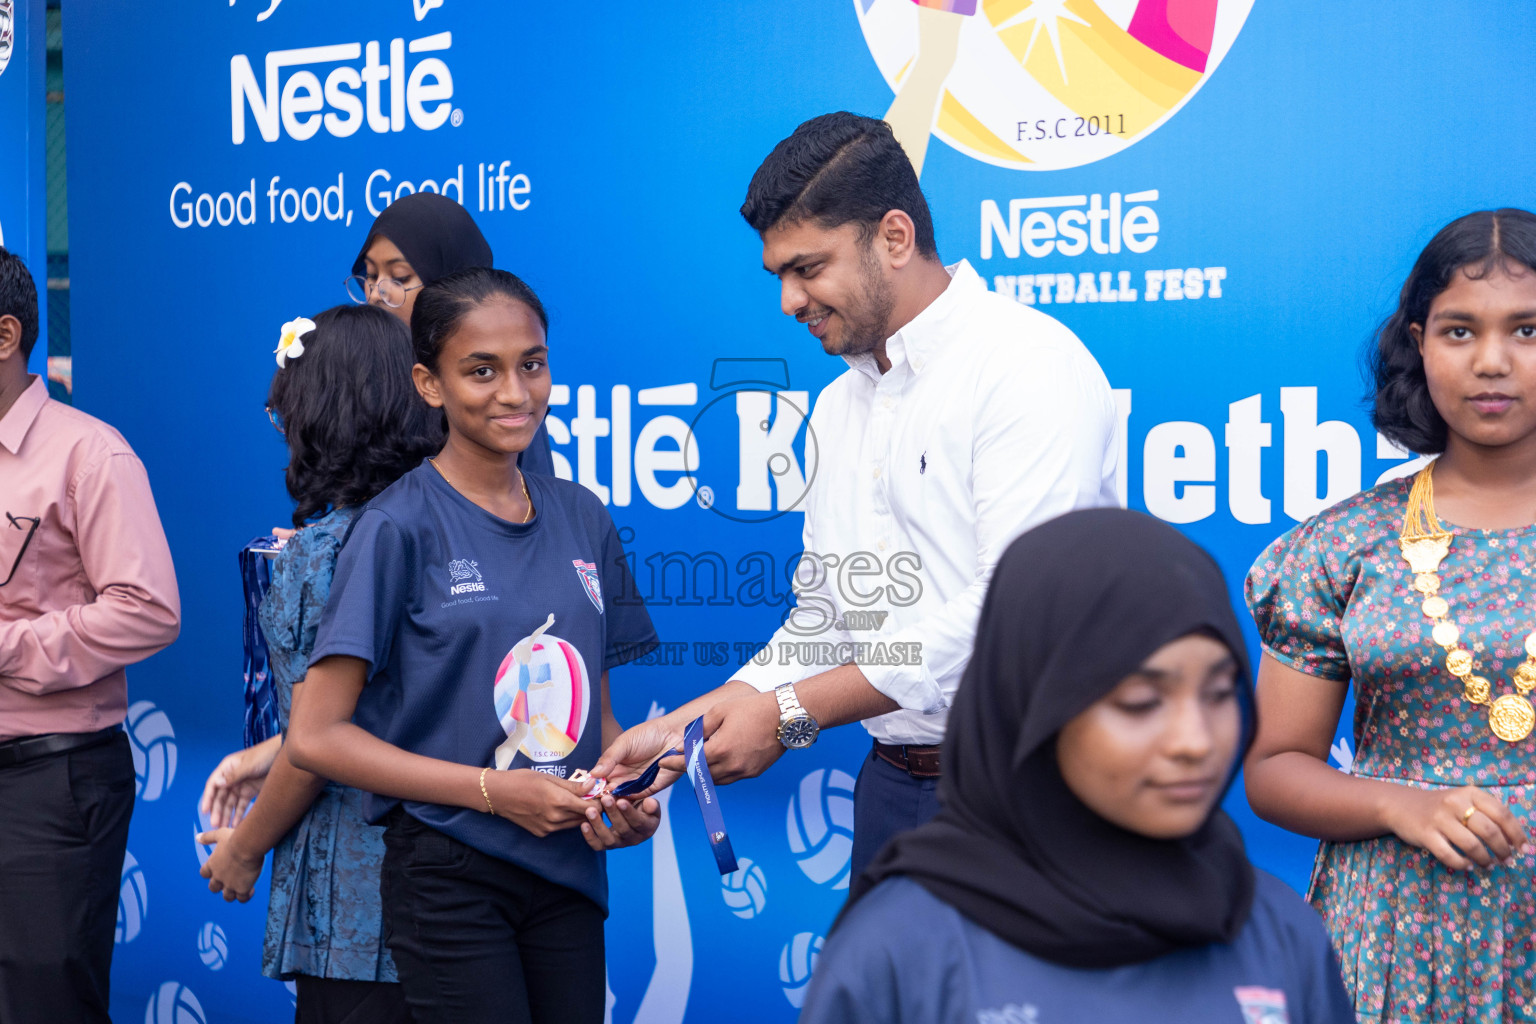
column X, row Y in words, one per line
column 1075, row 606
column 434, row 233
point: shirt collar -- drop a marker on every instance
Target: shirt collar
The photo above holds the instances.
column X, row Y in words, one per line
column 18, row 419
column 927, row 332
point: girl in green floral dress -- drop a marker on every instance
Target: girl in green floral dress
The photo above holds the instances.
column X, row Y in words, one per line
column 1426, row 876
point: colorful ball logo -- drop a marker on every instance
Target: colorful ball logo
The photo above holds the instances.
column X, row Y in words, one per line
column 821, row 826
column 1041, row 85
column 542, row 697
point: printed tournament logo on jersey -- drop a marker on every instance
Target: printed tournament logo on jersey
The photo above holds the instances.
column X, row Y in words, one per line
column 464, row 576
column 1262, row 1005
column 589, row 579
column 542, row 696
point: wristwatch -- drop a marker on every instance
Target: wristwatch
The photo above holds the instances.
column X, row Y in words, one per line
column 797, row 730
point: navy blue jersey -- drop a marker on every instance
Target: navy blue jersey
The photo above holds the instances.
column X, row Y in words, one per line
column 486, row 641
column 905, row 955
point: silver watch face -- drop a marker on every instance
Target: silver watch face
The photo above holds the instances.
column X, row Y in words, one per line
column 798, row 733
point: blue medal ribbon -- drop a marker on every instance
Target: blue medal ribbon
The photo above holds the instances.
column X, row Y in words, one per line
column 704, row 791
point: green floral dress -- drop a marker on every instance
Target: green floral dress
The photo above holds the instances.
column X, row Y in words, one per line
column 1334, row 599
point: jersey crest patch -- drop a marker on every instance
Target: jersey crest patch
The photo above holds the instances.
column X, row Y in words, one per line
column 590, row 582
column 1262, row 1005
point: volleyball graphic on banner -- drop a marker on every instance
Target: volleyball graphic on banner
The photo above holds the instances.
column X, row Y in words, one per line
column 7, row 31
column 198, row 828
column 796, row 962
column 541, row 697
column 174, row 1003
column 821, row 826
column 153, row 742
column 1042, row 85
column 745, row 890
column 132, row 901
column 212, row 946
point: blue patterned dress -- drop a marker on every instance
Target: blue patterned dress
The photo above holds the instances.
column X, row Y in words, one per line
column 325, row 915
column 1334, row 599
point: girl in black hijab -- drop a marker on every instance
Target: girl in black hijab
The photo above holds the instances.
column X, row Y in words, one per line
column 419, row 239
column 1080, row 868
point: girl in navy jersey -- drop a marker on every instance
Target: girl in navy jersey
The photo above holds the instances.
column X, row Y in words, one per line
column 1080, row 868
column 461, row 674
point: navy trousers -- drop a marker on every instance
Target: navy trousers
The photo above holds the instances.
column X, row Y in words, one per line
column 886, row 800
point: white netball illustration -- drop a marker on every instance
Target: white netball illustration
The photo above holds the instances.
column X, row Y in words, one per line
column 541, row 698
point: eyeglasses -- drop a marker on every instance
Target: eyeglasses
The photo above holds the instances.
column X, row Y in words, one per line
column 277, row 420
column 391, row 292
column 17, row 521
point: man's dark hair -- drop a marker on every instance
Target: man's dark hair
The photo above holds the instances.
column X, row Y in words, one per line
column 839, row 169
column 350, row 412
column 1479, row 243
column 18, row 298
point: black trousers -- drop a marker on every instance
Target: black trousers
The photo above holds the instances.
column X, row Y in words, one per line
column 63, row 833
column 886, row 800
column 338, row 1001
column 476, row 939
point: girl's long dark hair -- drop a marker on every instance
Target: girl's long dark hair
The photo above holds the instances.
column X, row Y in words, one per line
column 350, row 412
column 1479, row 243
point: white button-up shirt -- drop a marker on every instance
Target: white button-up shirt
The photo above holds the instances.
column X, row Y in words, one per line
column 993, row 418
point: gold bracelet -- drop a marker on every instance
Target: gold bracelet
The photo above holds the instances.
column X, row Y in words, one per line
column 485, row 793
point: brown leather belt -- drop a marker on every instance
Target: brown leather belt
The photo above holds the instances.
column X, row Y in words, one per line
column 918, row 762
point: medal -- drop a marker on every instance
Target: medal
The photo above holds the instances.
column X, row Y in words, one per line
column 1511, row 718
column 1424, row 546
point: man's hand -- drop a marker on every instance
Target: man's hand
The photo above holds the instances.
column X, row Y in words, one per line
column 235, row 782
column 635, row 749
column 628, row 823
column 229, row 873
column 741, row 737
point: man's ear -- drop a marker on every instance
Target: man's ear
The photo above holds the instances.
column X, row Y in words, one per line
column 897, row 237
column 10, row 337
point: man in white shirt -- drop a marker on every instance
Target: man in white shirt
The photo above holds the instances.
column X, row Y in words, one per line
column 963, row 420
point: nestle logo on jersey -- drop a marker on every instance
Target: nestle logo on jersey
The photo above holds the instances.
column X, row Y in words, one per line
column 464, row 576
column 300, row 105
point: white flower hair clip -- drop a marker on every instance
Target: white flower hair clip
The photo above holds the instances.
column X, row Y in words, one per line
column 290, row 344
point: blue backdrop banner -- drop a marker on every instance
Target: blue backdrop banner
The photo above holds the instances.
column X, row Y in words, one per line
column 1222, row 205
column 23, row 204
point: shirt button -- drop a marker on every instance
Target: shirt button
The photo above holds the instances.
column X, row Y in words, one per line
column 881, row 545
column 877, row 472
column 887, row 403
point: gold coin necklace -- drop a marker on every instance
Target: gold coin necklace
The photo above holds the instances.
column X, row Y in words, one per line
column 520, row 479
column 1425, row 545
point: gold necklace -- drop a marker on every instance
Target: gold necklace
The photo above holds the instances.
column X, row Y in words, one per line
column 521, row 479
column 1425, row 544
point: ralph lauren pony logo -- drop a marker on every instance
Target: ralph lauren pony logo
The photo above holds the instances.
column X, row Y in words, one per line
column 590, row 582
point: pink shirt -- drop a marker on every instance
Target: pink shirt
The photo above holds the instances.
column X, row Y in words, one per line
column 95, row 590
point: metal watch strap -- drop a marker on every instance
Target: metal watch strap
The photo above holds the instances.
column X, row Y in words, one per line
column 789, row 704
